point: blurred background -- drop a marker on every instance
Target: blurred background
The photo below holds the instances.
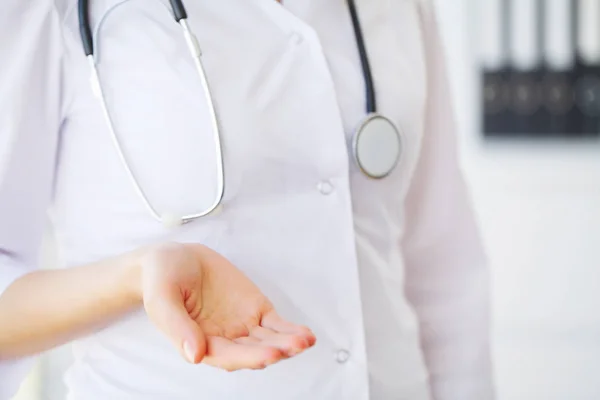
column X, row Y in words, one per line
column 526, row 82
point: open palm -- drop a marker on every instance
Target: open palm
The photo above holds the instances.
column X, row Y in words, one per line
column 213, row 313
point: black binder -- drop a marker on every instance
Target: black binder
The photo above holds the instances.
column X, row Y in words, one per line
column 543, row 102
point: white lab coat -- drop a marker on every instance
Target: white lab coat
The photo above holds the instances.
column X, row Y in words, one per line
column 390, row 274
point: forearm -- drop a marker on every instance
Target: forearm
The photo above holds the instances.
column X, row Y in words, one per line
column 45, row 309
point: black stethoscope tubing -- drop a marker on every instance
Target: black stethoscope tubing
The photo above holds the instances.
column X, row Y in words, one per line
column 364, row 59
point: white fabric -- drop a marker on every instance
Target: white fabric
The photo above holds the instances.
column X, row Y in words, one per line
column 365, row 263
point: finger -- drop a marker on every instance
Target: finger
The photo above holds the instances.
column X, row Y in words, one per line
column 276, row 340
column 168, row 313
column 231, row 356
column 249, row 340
column 290, row 344
column 273, row 321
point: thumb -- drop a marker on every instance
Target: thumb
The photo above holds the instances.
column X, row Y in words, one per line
column 168, row 313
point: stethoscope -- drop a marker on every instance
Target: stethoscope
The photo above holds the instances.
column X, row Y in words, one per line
column 376, row 146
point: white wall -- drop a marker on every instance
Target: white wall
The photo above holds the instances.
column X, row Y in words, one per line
column 539, row 208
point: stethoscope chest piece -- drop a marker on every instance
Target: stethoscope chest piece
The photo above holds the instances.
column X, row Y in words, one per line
column 377, row 146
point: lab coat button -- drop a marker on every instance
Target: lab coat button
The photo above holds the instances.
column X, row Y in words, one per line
column 325, row 187
column 342, row 356
column 296, row 38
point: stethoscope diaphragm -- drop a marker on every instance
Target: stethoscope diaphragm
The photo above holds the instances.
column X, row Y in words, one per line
column 377, row 146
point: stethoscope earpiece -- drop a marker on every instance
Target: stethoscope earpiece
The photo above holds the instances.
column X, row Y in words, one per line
column 171, row 220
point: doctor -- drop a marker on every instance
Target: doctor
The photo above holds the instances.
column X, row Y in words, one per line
column 271, row 189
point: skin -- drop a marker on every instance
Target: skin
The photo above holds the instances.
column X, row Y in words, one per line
column 210, row 311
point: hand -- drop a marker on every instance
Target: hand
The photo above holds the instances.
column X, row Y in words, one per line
column 212, row 312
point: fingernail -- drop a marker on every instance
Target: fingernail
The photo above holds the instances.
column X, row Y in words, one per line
column 189, row 352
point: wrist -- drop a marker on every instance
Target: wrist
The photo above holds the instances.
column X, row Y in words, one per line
column 130, row 275
column 146, row 266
